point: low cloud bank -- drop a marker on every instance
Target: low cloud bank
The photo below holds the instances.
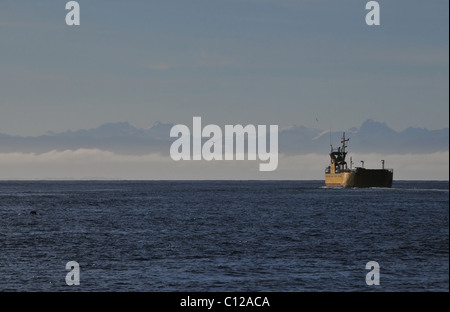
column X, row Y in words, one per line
column 101, row 164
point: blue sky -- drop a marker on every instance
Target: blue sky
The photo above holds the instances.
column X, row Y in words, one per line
column 279, row 62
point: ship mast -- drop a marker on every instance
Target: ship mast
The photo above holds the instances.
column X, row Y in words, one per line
column 343, row 140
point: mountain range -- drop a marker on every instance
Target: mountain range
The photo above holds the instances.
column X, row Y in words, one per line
column 123, row 138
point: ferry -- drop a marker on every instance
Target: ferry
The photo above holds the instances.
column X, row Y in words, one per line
column 338, row 174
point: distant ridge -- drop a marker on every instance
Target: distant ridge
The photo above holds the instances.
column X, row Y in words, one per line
column 122, row 137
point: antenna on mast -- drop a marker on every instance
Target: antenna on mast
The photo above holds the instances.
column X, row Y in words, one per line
column 343, row 140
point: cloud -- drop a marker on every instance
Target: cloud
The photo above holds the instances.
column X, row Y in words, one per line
column 101, row 164
column 79, row 156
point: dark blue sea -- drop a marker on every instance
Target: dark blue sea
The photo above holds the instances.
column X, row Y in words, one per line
column 230, row 236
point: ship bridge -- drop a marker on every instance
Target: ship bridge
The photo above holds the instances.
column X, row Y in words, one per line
column 337, row 157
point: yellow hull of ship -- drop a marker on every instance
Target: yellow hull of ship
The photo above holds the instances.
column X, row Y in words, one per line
column 345, row 179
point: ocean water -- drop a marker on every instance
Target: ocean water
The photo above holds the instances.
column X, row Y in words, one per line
column 208, row 236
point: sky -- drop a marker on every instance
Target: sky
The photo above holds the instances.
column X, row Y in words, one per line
column 314, row 63
column 279, row 62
